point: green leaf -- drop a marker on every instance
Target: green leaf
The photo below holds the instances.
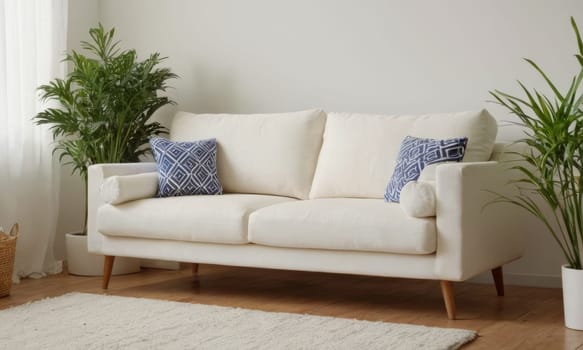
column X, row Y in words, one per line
column 577, row 35
column 548, row 185
column 546, row 78
column 105, row 102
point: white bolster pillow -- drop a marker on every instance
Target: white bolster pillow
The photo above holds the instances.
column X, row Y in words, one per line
column 418, row 199
column 121, row 189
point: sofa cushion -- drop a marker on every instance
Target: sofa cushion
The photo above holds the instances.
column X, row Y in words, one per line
column 259, row 153
column 125, row 188
column 186, row 168
column 359, row 150
column 213, row 219
column 343, row 224
column 418, row 199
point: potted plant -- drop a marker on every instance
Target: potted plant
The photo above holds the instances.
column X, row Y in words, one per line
column 102, row 116
column 550, row 186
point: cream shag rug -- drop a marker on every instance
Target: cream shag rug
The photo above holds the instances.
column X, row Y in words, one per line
column 88, row 321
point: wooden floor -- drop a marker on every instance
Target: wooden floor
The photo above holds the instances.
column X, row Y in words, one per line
column 526, row 318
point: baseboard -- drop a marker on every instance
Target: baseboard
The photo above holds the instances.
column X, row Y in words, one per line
column 517, row 279
column 160, row 264
column 511, row 279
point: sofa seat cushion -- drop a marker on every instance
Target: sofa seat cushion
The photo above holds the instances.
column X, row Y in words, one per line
column 343, row 224
column 210, row 219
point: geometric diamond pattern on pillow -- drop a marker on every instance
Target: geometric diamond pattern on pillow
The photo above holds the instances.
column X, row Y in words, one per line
column 186, row 168
column 415, row 154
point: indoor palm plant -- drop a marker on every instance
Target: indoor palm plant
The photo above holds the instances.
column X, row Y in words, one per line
column 550, row 186
column 103, row 112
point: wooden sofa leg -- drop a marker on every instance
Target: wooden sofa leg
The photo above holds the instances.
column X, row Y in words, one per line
column 448, row 298
column 107, row 268
column 498, row 280
column 194, row 268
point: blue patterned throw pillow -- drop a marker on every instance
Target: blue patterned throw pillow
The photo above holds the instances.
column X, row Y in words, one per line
column 186, row 168
column 415, row 154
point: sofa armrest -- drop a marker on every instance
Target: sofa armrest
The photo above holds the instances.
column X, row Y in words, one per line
column 473, row 234
column 97, row 174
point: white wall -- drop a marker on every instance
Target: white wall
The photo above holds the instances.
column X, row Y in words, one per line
column 381, row 56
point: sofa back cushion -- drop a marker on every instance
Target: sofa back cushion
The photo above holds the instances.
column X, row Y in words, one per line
column 259, row 153
column 359, row 150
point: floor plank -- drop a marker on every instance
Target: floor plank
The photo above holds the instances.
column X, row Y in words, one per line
column 526, row 318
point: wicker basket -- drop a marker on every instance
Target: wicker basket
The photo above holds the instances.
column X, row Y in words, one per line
column 7, row 253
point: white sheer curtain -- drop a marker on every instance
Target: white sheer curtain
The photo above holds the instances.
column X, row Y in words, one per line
column 32, row 43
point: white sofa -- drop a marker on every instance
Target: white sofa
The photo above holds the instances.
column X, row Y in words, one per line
column 304, row 191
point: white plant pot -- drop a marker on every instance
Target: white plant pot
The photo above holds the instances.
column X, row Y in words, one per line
column 82, row 263
column 573, row 297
